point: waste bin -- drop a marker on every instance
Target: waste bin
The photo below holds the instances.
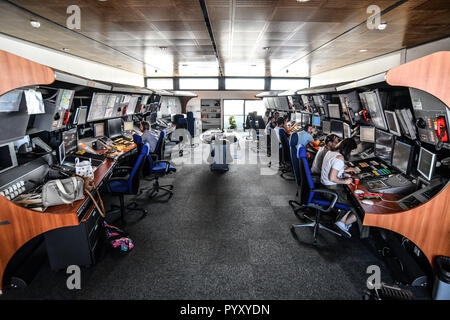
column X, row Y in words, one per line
column 441, row 289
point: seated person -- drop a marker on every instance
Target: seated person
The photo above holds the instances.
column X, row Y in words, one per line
column 332, row 176
column 272, row 121
column 331, row 142
column 149, row 135
column 305, row 138
column 266, row 116
column 288, row 129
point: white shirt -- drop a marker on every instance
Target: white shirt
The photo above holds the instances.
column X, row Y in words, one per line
column 318, row 160
column 331, row 161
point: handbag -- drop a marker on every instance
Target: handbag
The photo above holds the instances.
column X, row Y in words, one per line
column 62, row 191
column 84, row 168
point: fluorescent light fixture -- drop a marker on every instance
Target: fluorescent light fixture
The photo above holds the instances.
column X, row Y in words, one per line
column 65, row 49
column 363, row 50
column 35, row 24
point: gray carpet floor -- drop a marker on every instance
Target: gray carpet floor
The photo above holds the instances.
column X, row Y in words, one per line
column 221, row 236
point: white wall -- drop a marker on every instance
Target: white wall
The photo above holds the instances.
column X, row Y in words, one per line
column 69, row 63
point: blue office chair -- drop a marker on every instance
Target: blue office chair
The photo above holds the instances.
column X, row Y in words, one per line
column 314, row 198
column 155, row 169
column 295, row 205
column 126, row 181
column 285, row 158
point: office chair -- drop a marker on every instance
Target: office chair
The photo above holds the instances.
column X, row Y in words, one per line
column 285, row 158
column 190, row 120
column 295, row 168
column 310, row 197
column 155, row 169
column 126, row 181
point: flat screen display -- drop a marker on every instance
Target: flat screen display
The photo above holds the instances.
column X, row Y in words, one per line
column 383, row 145
column 128, row 125
column 334, row 111
column 80, row 116
column 306, row 119
column 373, row 101
column 35, row 102
column 392, row 122
column 367, row 134
column 65, row 98
column 7, row 157
column 337, row 128
column 401, row 155
column 114, row 128
column 426, row 163
column 99, row 104
column 70, row 140
column 316, row 121
column 326, row 127
column 347, row 131
column 11, row 101
column 99, row 130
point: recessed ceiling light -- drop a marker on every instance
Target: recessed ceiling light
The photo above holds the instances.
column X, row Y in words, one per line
column 363, row 50
column 163, row 48
column 65, row 49
column 266, row 48
column 302, row 0
column 35, row 24
column 382, row 26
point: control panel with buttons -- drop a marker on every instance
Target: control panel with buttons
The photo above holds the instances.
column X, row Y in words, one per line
column 13, row 190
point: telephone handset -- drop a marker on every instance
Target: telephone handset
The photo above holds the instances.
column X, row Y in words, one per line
column 440, row 128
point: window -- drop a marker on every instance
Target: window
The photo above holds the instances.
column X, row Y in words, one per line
column 160, row 83
column 244, row 83
column 233, row 108
column 289, row 84
column 199, row 83
column 255, row 105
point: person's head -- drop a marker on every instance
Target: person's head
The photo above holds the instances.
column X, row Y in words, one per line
column 267, row 113
column 280, row 121
column 145, row 125
column 346, row 146
column 308, row 128
column 331, row 141
column 276, row 115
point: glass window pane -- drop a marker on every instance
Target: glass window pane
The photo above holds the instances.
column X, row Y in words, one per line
column 233, row 108
column 255, row 105
column 160, row 83
column 199, row 83
column 289, row 84
column 244, row 83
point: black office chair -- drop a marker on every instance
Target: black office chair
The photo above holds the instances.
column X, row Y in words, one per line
column 313, row 198
column 126, row 181
column 285, row 157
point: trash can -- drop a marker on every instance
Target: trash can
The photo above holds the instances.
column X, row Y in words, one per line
column 441, row 289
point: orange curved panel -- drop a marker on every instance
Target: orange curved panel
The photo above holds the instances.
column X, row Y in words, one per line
column 18, row 225
column 430, row 73
column 16, row 72
column 427, row 225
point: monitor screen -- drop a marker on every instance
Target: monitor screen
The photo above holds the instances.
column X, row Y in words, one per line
column 128, row 125
column 99, row 130
column 7, row 157
column 337, row 128
column 373, row 101
column 306, row 119
column 10, row 101
column 305, row 100
column 347, row 131
column 367, row 134
column 401, row 155
column 392, row 122
column 70, row 140
column 326, row 127
column 426, row 163
column 334, row 111
column 80, row 116
column 317, row 101
column 383, row 145
column 65, row 98
column 114, row 128
column 144, row 100
column 98, row 106
column 131, row 109
column 316, row 121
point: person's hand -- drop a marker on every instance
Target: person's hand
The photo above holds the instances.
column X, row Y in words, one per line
column 348, row 181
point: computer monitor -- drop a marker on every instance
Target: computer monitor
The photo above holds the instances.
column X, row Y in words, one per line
column 334, row 111
column 426, row 163
column 374, row 104
column 367, row 134
column 337, row 128
column 306, row 119
column 305, row 100
column 316, row 121
column 64, row 99
column 128, row 126
column 152, row 118
column 114, row 128
column 80, row 116
column 350, row 106
column 318, row 101
column 11, row 101
column 383, row 145
column 347, row 131
column 401, row 156
column 98, row 107
column 8, row 158
column 326, row 126
column 392, row 122
column 70, row 140
column 99, row 130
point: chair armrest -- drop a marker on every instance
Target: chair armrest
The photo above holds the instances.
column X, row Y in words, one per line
column 166, row 162
column 333, row 202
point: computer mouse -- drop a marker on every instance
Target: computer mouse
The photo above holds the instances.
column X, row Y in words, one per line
column 368, row 202
column 359, row 191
